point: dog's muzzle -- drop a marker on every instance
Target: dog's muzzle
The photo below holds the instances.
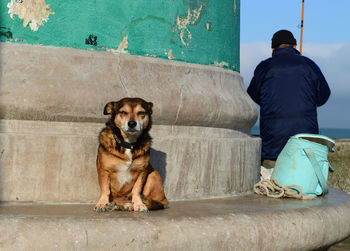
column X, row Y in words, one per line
column 133, row 127
column 132, row 124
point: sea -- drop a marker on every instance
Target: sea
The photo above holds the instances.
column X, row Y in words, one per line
column 333, row 133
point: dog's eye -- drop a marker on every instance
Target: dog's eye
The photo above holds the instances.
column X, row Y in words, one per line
column 123, row 113
column 141, row 113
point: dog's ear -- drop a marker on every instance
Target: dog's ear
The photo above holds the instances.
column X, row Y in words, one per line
column 149, row 107
column 109, row 108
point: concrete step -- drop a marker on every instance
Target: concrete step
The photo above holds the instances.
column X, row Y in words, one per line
column 250, row 222
column 56, row 161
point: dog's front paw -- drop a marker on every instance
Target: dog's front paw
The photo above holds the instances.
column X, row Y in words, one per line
column 127, row 207
column 100, row 208
column 140, row 207
column 112, row 206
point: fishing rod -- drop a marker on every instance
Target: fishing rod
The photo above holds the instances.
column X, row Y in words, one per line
column 301, row 27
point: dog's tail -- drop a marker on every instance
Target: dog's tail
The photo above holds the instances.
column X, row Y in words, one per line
column 153, row 204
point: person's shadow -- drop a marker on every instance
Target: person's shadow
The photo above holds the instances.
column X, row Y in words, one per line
column 158, row 162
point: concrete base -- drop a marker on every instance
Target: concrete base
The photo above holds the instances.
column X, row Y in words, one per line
column 63, row 84
column 250, row 222
column 51, row 111
column 56, row 161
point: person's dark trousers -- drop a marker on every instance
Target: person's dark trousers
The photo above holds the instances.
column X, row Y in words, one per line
column 269, row 163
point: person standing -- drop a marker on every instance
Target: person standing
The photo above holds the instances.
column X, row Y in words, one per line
column 288, row 87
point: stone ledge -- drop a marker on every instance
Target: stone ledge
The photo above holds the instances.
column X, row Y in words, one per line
column 56, row 161
column 75, row 85
column 249, row 222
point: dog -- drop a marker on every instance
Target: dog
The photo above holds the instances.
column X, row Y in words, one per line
column 126, row 178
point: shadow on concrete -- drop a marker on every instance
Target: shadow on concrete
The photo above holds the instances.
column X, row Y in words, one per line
column 158, row 162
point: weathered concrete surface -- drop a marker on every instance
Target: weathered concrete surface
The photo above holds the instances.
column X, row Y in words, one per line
column 340, row 160
column 239, row 223
column 56, row 161
column 63, row 84
column 51, row 107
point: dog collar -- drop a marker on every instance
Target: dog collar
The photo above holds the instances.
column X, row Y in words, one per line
column 119, row 140
column 125, row 144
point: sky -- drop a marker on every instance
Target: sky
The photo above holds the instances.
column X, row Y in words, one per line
column 326, row 40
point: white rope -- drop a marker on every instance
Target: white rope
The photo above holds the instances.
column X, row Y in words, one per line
column 274, row 189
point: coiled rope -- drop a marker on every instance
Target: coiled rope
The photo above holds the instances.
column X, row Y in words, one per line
column 274, row 189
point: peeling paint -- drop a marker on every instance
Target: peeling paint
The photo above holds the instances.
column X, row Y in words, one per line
column 6, row 32
column 222, row 64
column 170, row 54
column 192, row 31
column 122, row 46
column 92, row 40
column 33, row 12
column 209, row 26
column 183, row 22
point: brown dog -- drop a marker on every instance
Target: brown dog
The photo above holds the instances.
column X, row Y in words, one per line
column 127, row 180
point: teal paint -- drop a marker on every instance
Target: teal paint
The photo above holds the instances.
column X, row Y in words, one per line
column 196, row 31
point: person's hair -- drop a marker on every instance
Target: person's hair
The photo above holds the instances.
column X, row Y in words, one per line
column 284, row 46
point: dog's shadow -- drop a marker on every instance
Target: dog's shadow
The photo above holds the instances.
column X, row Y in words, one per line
column 158, row 162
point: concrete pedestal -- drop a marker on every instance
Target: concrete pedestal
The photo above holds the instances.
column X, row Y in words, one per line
column 51, row 107
column 50, row 115
column 56, row 161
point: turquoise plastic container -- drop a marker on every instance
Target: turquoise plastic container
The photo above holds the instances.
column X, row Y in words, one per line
column 304, row 162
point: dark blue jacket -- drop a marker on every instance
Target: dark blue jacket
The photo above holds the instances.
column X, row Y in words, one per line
column 288, row 87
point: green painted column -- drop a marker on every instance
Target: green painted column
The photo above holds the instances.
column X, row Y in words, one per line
column 197, row 31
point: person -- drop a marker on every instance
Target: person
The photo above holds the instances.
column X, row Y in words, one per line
column 288, row 87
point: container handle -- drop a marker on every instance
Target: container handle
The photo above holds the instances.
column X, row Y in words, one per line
column 317, row 169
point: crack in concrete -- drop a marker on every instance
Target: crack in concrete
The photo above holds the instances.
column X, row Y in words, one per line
column 124, row 86
column 87, row 238
column 218, row 114
column 180, row 105
column 121, row 79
